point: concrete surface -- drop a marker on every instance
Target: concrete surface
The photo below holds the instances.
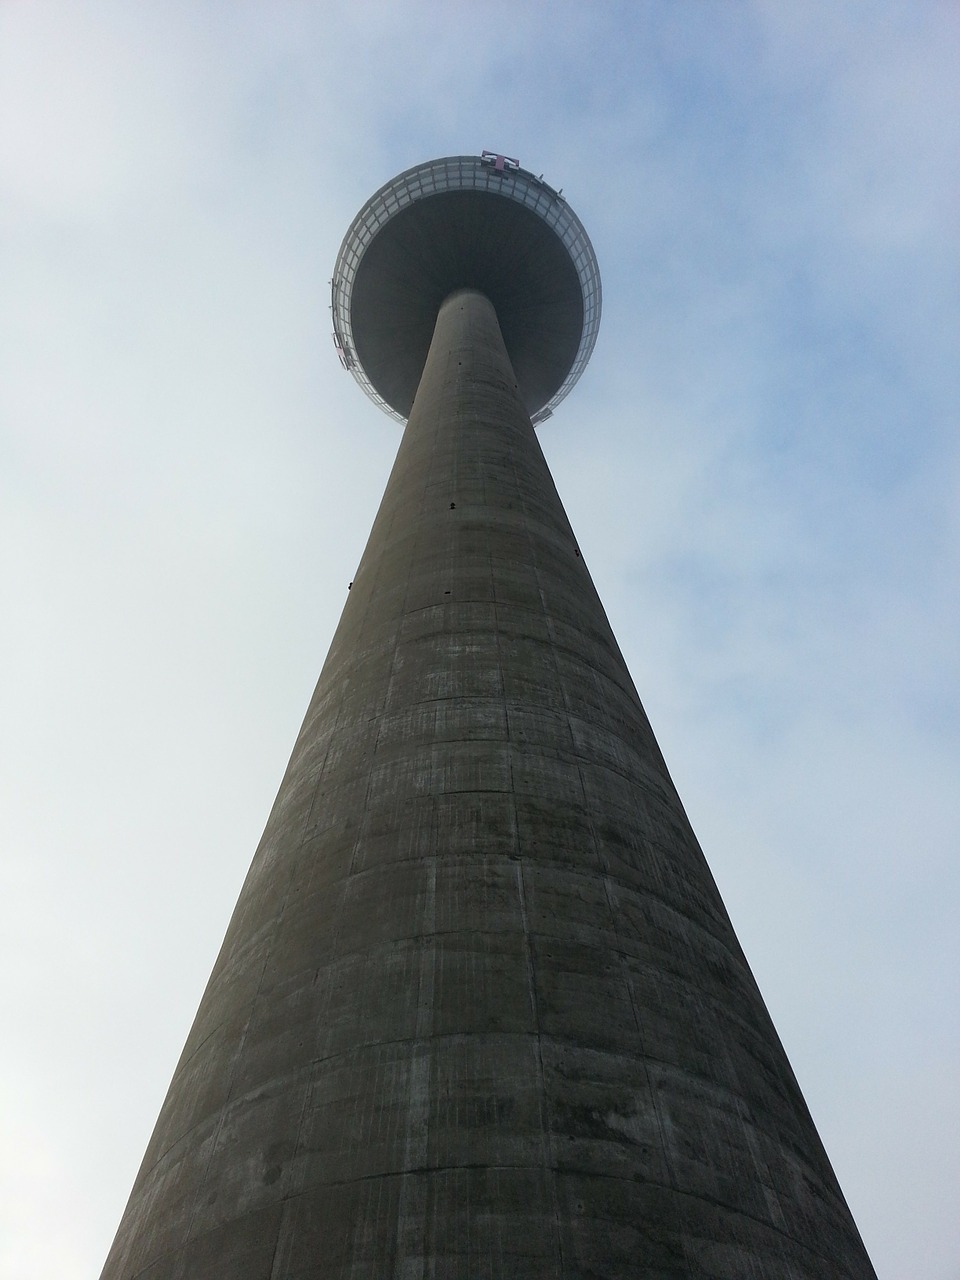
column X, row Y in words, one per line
column 466, row 239
column 480, row 1011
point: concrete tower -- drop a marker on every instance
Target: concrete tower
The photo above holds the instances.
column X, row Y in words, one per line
column 480, row 1011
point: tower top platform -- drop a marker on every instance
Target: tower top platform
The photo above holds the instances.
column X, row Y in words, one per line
column 478, row 222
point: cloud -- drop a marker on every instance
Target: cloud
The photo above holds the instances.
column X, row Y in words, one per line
column 760, row 464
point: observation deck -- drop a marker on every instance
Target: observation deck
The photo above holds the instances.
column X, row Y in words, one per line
column 478, row 222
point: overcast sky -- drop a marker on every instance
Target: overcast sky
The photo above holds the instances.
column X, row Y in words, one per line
column 761, row 464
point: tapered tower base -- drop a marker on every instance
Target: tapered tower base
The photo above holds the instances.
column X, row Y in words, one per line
column 480, row 1011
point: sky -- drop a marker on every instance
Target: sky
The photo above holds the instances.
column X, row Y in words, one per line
column 761, row 464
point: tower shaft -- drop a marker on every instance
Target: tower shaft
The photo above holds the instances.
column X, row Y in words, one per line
column 480, row 1010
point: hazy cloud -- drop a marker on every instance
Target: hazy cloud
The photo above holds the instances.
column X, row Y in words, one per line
column 761, row 465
